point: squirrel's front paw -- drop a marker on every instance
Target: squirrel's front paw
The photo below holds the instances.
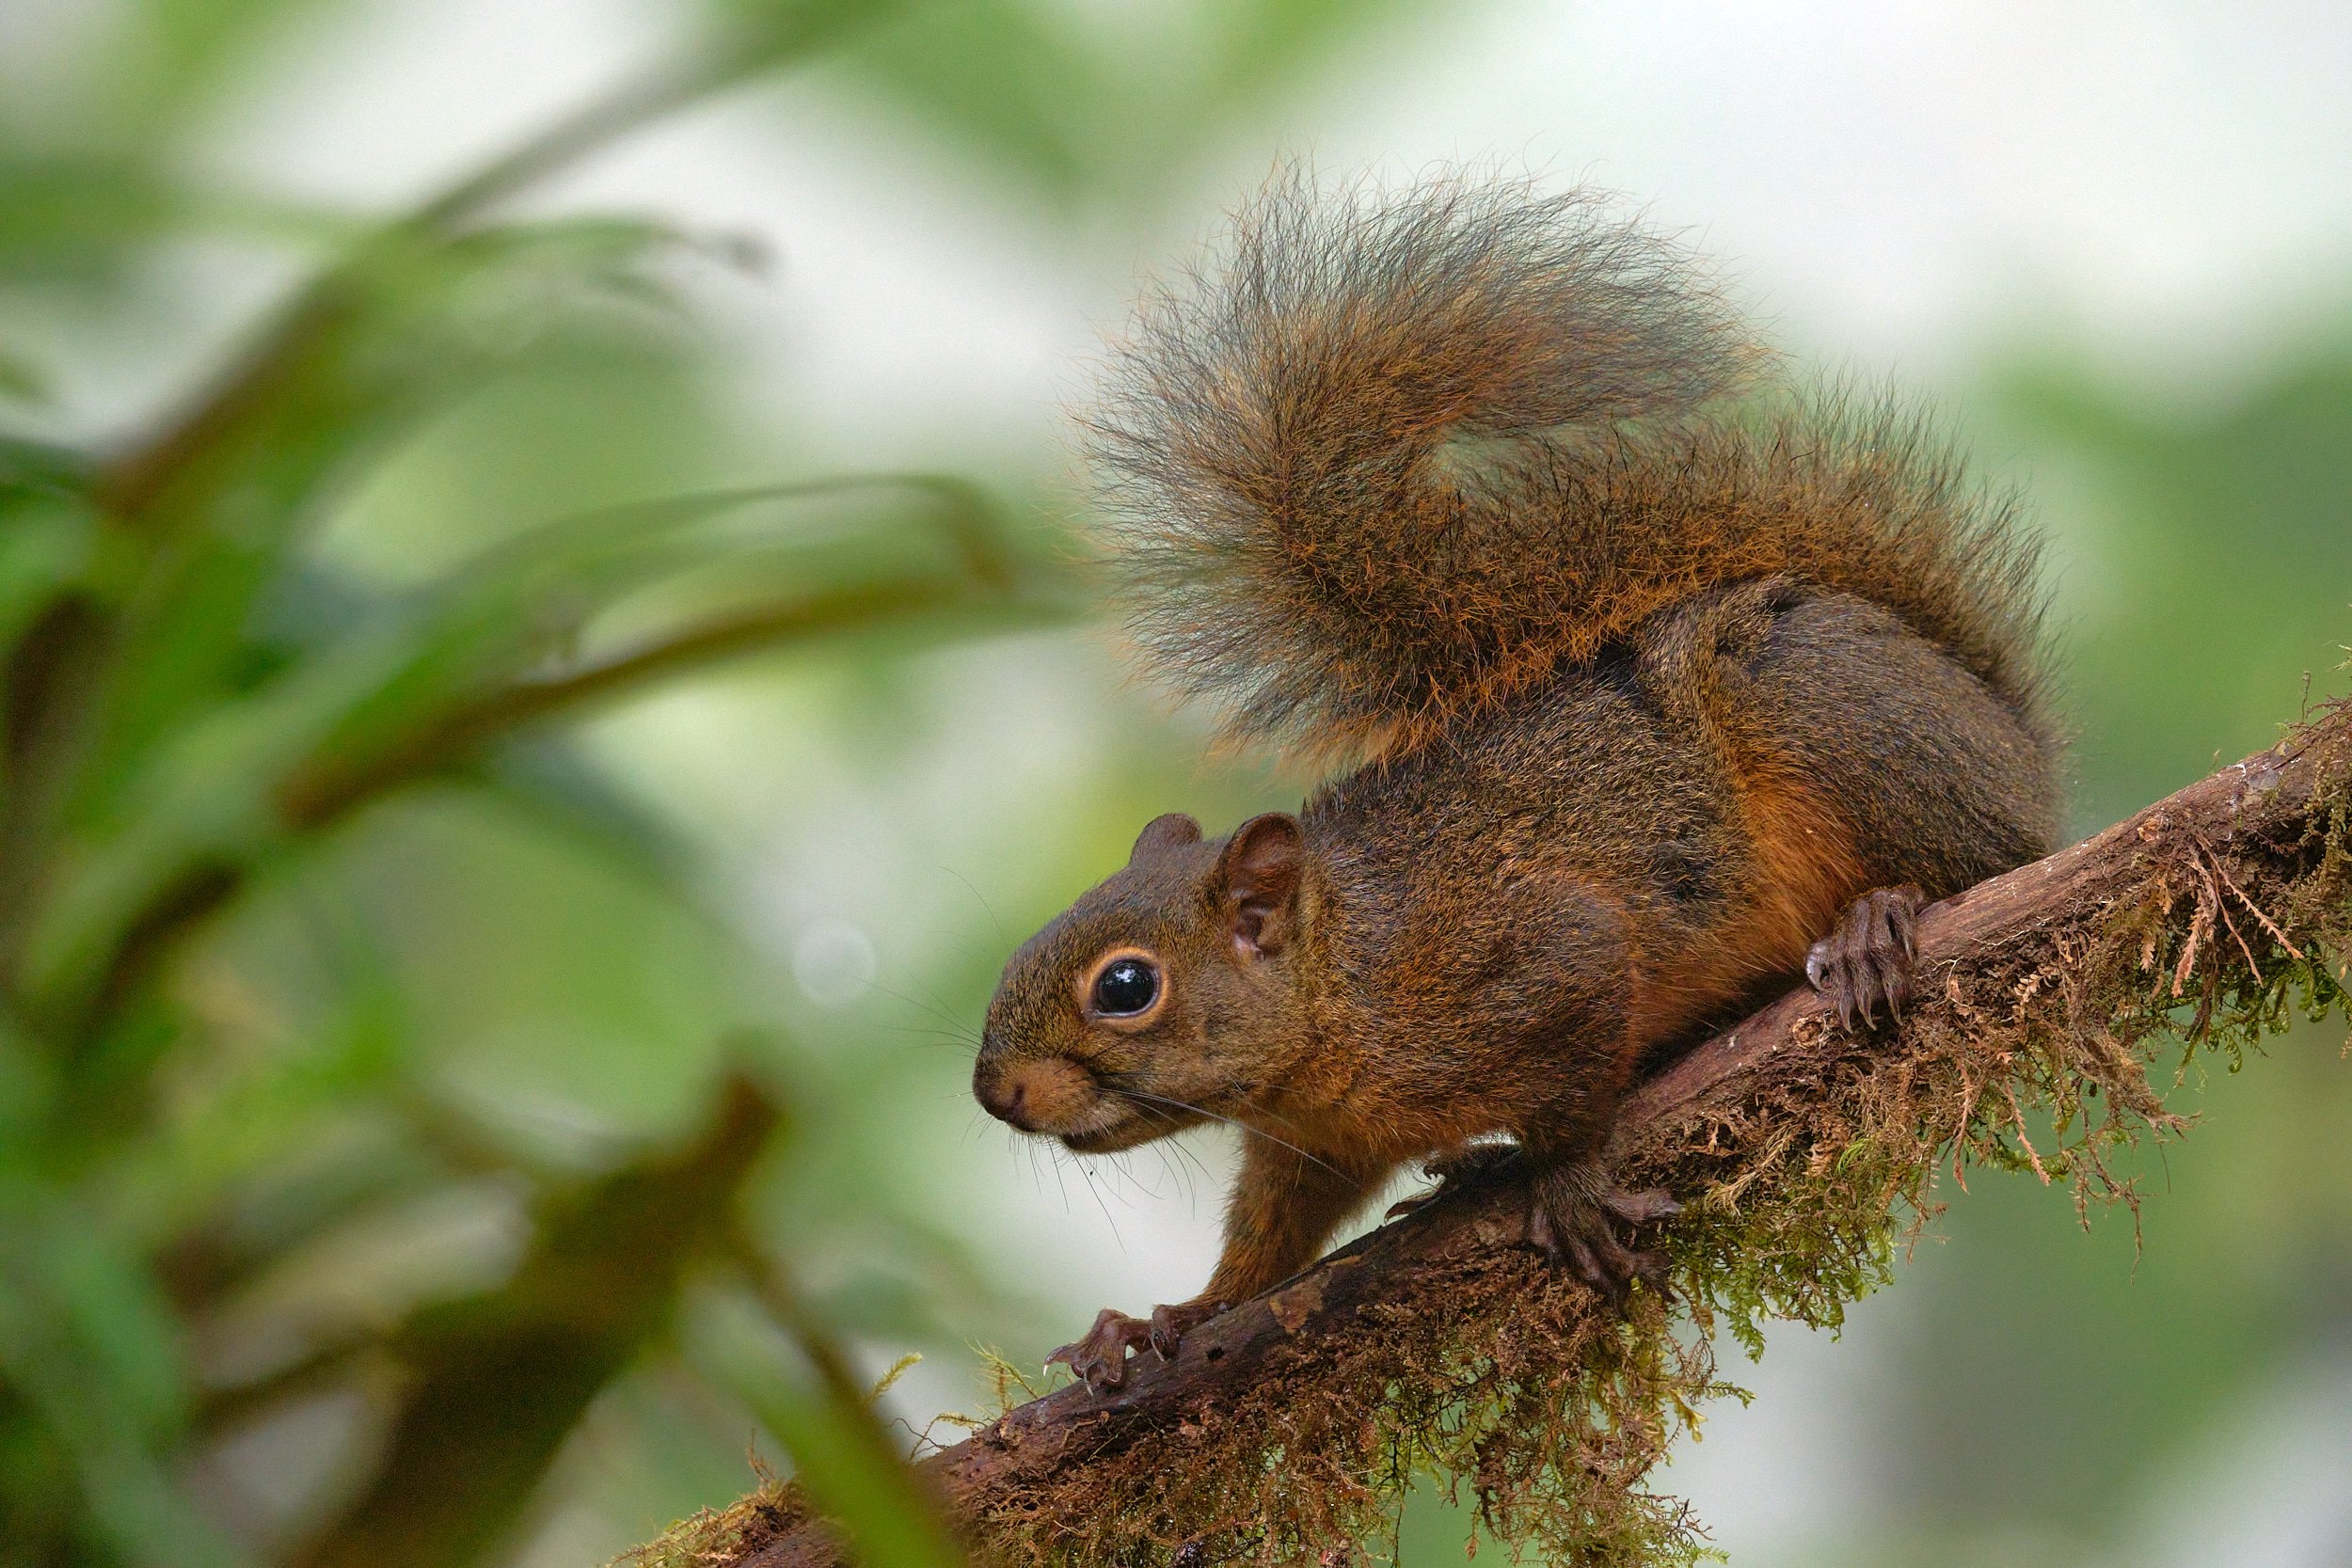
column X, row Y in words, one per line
column 1100, row 1359
column 1574, row 1214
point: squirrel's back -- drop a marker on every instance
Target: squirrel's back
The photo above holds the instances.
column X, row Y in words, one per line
column 1403, row 457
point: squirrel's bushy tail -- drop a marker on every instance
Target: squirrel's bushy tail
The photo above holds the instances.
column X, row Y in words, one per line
column 1398, row 457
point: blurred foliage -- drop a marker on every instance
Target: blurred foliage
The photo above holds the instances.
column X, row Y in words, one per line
column 2051, row 1373
column 194, row 703
column 2235, row 517
column 403, row 1151
column 295, row 830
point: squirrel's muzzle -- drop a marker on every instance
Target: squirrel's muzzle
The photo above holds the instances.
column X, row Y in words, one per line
column 1041, row 1094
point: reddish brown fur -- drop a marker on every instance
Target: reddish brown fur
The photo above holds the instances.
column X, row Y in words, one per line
column 1805, row 874
column 1646, row 705
column 1414, row 454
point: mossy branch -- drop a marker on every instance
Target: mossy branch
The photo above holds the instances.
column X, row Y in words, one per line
column 1288, row 1428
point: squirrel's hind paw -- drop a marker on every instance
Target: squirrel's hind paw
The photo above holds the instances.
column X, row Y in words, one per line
column 1868, row 958
column 1464, row 1167
column 1574, row 1216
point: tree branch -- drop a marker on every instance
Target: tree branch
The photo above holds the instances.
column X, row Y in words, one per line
column 2041, row 986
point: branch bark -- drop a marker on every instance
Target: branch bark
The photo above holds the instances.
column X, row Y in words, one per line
column 1788, row 1050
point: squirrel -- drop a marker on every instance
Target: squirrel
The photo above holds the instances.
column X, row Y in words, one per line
column 1651, row 683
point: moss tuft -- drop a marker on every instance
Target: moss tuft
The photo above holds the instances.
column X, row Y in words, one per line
column 724, row 1535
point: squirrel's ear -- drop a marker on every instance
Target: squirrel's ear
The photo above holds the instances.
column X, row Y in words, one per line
column 1171, row 831
column 1259, row 870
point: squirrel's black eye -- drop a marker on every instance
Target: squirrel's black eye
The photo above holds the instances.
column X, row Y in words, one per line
column 1126, row 986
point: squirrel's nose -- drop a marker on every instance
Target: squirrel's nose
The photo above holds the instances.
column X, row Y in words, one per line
column 1037, row 1094
column 1005, row 1097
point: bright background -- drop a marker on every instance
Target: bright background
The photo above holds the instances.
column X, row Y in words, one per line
column 2113, row 241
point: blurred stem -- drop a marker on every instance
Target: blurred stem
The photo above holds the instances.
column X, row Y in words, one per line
column 903, row 1526
column 47, row 679
column 781, row 1295
column 136, row 482
column 331, row 787
column 804, row 31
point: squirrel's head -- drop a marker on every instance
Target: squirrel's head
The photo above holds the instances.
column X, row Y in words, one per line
column 1161, row 998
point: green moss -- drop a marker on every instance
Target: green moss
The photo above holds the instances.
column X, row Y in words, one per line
column 721, row 1536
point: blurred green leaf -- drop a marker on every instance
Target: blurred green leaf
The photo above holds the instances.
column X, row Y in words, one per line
column 1088, row 105
column 66, row 219
column 432, row 685
column 161, row 59
column 1267, row 44
column 94, row 1354
column 193, row 692
column 230, row 493
column 493, row 1384
column 29, row 468
column 240, row 1118
column 998, row 76
column 22, row 380
column 48, row 543
column 753, row 38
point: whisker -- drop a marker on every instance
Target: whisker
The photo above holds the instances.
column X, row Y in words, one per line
column 1125, row 1168
column 1172, row 1157
column 939, row 1004
column 937, row 1037
column 1175, row 1147
column 983, row 902
column 1247, row 1095
column 935, row 1008
column 1057, row 1165
column 1117, row 1240
column 1203, row 1111
column 1185, row 1151
column 1156, row 1114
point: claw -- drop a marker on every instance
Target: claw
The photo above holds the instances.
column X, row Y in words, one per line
column 1573, row 1219
column 1456, row 1167
column 1866, row 960
column 1170, row 1324
column 1643, row 1208
column 1099, row 1357
column 1408, row 1204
